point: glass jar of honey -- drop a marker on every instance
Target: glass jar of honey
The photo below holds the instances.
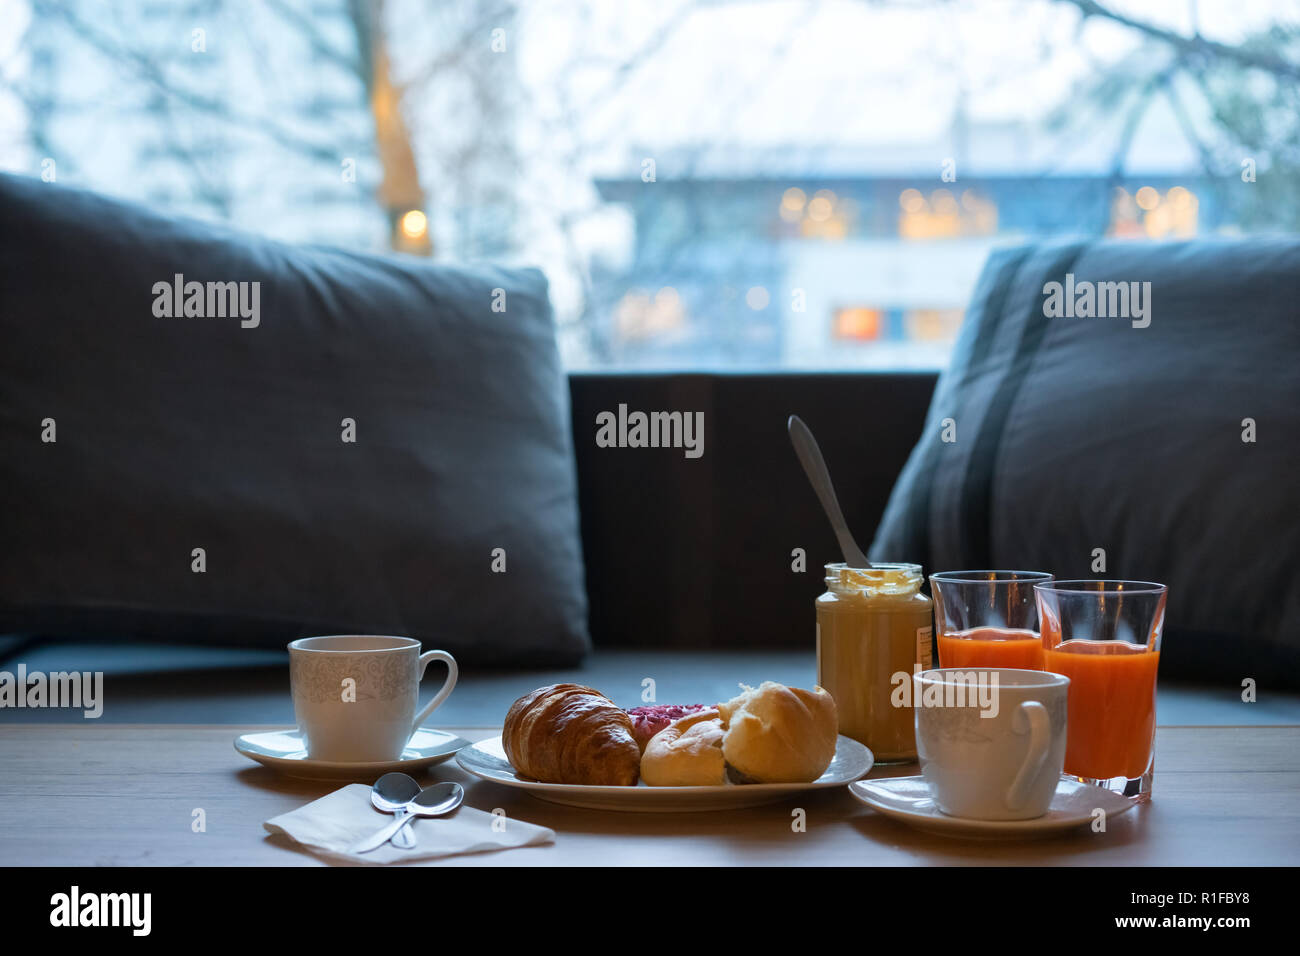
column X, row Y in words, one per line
column 874, row 627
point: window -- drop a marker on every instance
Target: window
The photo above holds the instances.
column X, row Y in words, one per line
column 735, row 184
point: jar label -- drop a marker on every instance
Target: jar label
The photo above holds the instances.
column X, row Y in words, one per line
column 923, row 642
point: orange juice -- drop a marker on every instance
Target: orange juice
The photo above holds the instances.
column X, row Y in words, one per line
column 991, row 647
column 1112, row 706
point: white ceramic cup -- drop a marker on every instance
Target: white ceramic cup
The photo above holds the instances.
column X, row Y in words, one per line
column 995, row 747
column 355, row 695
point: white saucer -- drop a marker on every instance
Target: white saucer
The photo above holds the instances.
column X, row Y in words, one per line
column 283, row 750
column 487, row 759
column 908, row 799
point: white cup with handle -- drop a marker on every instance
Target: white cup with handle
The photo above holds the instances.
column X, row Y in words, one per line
column 355, row 696
column 991, row 741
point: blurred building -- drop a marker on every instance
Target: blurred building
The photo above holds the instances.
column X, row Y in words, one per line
column 853, row 258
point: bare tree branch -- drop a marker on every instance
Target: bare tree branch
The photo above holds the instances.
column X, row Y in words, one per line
column 315, row 39
column 1195, row 45
column 147, row 71
column 457, row 49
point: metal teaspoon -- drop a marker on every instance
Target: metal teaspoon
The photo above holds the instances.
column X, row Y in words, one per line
column 432, row 801
column 814, row 466
column 390, row 794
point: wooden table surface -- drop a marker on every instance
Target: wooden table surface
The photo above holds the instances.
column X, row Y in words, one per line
column 123, row 795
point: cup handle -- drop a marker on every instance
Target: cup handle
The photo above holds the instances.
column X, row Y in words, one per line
column 452, row 673
column 1031, row 718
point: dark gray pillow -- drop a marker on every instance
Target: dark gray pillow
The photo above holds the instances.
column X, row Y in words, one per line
column 227, row 434
column 1075, row 434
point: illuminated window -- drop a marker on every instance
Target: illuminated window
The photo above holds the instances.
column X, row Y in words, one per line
column 857, row 323
column 932, row 325
column 638, row 316
column 1148, row 198
column 941, row 216
column 792, row 204
column 1147, row 214
column 823, row 216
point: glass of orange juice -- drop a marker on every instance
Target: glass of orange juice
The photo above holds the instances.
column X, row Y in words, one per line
column 987, row 618
column 1105, row 637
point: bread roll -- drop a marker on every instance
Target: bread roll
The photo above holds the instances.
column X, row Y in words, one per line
column 686, row 753
column 779, row 734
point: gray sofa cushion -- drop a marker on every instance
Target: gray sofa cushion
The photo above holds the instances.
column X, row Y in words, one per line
column 227, row 434
column 1074, row 434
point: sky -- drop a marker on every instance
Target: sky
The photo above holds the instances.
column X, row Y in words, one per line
column 784, row 72
column 799, row 71
column 833, row 71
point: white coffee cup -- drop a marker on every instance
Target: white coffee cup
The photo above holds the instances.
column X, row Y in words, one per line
column 994, row 746
column 355, row 695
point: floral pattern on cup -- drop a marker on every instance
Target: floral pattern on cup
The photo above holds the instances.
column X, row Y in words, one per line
column 962, row 724
column 319, row 678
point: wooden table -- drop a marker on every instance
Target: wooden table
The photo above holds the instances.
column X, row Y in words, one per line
column 121, row 795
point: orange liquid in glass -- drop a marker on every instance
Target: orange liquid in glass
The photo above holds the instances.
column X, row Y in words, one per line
column 991, row 647
column 1112, row 706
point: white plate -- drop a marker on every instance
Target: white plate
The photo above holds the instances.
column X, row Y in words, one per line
column 908, row 799
column 283, row 750
column 487, row 760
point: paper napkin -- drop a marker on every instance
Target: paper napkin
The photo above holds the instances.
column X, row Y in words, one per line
column 338, row 820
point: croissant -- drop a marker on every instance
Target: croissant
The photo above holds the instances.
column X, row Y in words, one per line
column 567, row 733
